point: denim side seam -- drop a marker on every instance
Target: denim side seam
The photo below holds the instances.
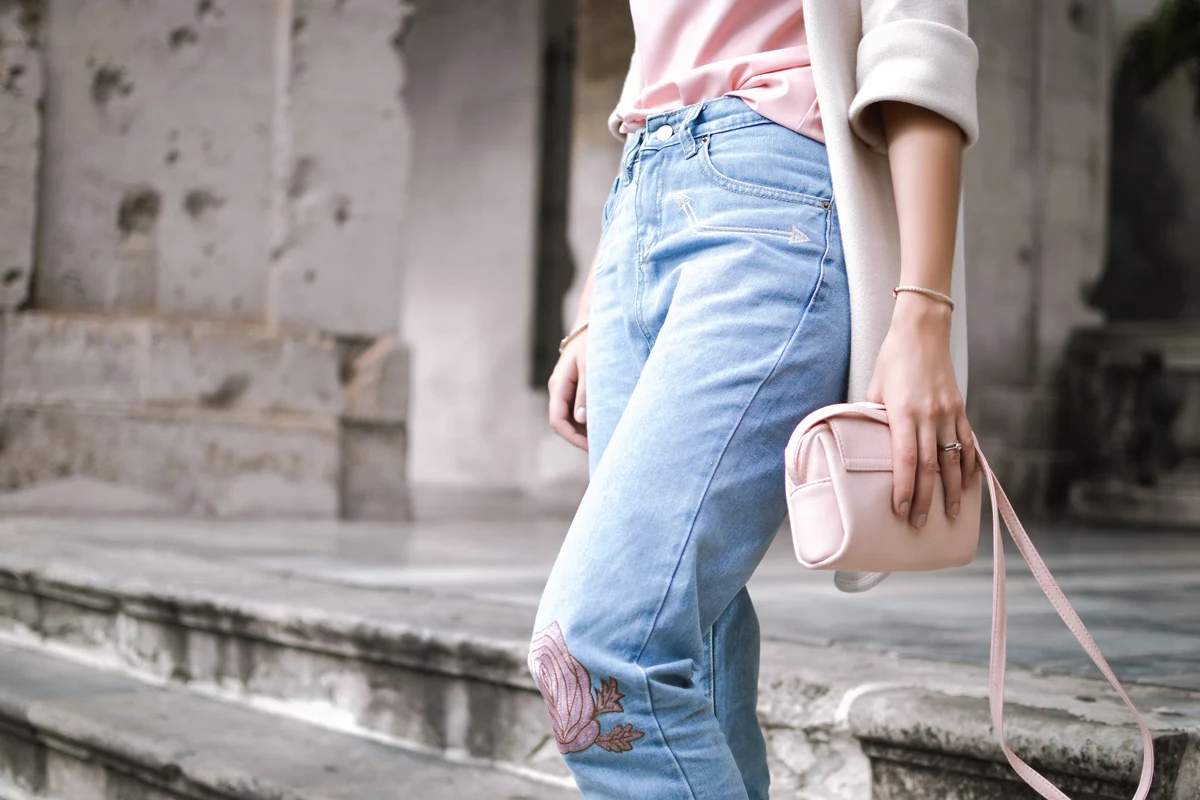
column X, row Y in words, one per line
column 654, row 716
column 712, row 666
column 704, row 495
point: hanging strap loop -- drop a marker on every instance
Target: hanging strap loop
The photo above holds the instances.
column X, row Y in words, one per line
column 1001, row 507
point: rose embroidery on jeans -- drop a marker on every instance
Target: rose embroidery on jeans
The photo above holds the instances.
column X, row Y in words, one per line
column 567, row 687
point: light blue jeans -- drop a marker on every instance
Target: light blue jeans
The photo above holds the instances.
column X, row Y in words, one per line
column 720, row 317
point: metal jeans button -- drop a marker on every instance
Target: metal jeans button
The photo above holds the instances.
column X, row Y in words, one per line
column 664, row 133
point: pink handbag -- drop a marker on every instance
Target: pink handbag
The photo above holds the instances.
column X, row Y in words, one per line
column 839, row 495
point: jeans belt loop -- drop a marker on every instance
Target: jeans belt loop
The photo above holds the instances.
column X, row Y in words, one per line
column 685, row 131
column 632, row 155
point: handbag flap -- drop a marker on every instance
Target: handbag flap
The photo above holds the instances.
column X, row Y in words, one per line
column 865, row 445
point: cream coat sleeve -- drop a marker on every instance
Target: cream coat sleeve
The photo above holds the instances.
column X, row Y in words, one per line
column 629, row 92
column 915, row 51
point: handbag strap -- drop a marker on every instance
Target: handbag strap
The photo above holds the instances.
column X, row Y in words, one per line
column 1001, row 507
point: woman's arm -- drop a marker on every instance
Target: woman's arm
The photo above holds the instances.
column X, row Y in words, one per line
column 914, row 375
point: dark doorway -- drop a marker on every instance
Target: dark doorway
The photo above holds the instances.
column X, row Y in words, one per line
column 555, row 263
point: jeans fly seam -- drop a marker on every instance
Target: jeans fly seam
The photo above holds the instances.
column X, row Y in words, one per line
column 642, row 253
column 708, row 485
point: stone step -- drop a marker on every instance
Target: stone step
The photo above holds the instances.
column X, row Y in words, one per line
column 443, row 673
column 75, row 732
column 447, row 673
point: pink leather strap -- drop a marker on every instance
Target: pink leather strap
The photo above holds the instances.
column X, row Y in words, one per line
column 1002, row 507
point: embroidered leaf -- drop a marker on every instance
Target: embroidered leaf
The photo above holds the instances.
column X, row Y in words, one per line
column 608, row 699
column 620, row 739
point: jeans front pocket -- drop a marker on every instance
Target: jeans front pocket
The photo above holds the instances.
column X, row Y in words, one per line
column 767, row 161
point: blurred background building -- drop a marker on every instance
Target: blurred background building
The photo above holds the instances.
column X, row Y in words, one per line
column 291, row 257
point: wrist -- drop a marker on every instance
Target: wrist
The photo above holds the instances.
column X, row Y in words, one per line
column 914, row 309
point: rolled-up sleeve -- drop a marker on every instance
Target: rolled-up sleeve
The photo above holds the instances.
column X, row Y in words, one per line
column 918, row 52
column 629, row 92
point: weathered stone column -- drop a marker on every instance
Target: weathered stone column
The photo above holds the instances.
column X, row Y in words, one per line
column 474, row 88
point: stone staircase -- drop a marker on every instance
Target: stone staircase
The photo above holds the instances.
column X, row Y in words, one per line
column 69, row 731
column 152, row 415
column 307, row 681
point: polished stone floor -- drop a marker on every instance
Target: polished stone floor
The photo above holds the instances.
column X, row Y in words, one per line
column 1137, row 590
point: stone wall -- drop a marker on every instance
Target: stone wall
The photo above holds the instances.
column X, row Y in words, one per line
column 20, row 130
column 218, row 215
column 234, row 159
column 1035, row 187
column 250, row 161
column 1035, row 222
column 1154, row 201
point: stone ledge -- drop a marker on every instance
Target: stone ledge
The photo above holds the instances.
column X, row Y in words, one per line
column 923, row 729
column 143, row 361
column 167, row 461
column 914, row 730
column 448, row 673
column 147, row 363
column 69, row 731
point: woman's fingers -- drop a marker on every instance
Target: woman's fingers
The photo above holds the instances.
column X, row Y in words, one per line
column 904, row 461
column 581, row 396
column 919, row 463
column 927, row 474
column 563, row 385
column 951, row 464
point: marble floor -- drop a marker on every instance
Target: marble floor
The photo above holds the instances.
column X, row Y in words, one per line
column 1137, row 590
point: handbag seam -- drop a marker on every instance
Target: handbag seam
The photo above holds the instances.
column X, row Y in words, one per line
column 847, row 459
column 806, row 485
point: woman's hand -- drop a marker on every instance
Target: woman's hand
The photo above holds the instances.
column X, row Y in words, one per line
column 914, row 379
column 568, row 393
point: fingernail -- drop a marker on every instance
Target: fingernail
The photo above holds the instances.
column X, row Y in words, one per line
column 904, row 508
column 954, row 509
column 920, row 520
column 581, row 414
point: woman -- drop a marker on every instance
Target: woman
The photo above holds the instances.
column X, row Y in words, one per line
column 787, row 164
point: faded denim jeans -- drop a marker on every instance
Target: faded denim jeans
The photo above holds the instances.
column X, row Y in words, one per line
column 720, row 318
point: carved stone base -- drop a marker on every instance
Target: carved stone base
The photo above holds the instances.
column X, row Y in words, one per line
column 1133, row 393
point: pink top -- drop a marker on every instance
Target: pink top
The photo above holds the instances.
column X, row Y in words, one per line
column 694, row 50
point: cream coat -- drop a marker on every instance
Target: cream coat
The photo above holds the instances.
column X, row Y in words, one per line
column 916, row 51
